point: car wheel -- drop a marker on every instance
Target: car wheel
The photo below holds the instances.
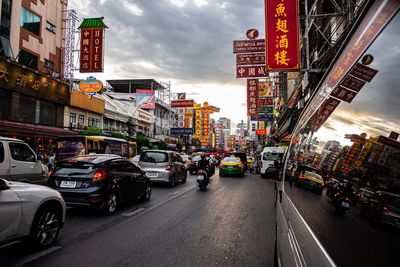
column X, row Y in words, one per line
column 184, row 178
column 172, row 182
column 111, row 203
column 45, row 227
column 147, row 193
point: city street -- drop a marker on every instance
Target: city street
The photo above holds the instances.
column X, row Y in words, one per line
column 230, row 224
column 350, row 239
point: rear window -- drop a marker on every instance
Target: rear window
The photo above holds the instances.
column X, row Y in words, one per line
column 74, row 167
column 155, row 157
column 230, row 160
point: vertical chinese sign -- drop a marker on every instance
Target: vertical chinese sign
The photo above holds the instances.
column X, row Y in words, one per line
column 282, row 34
column 91, row 51
column 252, row 97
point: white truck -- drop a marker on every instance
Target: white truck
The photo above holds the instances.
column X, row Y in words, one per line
column 18, row 162
column 268, row 156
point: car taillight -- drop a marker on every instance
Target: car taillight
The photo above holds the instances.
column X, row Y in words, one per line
column 168, row 167
column 302, row 177
column 385, row 209
column 99, row 175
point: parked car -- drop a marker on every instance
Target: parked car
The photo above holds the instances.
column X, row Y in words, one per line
column 382, row 207
column 310, row 180
column 28, row 210
column 101, row 181
column 163, row 166
column 232, row 166
column 18, row 162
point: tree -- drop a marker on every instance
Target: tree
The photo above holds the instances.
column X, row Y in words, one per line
column 162, row 145
column 92, row 130
column 142, row 140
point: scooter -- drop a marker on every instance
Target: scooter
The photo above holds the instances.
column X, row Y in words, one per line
column 202, row 179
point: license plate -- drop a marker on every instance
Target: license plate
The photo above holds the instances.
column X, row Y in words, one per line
column 345, row 204
column 68, row 184
column 200, row 177
column 230, row 167
column 152, row 174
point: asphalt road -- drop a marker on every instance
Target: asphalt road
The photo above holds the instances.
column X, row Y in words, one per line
column 229, row 224
column 350, row 239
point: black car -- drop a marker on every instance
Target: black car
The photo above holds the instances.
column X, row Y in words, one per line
column 99, row 181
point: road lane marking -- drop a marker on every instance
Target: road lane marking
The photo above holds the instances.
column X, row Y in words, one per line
column 132, row 212
column 37, row 256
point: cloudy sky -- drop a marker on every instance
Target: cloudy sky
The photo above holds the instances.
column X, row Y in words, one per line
column 189, row 42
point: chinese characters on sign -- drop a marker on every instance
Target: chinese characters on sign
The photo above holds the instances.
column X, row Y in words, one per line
column 197, row 124
column 282, row 34
column 250, row 59
column 91, row 54
column 252, row 97
column 251, row 71
column 248, row 46
column 323, row 113
column 205, row 125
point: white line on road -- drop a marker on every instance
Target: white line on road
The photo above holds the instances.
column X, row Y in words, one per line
column 132, row 212
column 37, row 256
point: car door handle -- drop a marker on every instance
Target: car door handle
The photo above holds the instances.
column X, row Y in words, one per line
column 14, row 166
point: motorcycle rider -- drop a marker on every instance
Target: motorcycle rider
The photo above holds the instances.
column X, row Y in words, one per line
column 204, row 164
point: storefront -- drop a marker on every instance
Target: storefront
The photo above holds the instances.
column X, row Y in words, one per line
column 31, row 106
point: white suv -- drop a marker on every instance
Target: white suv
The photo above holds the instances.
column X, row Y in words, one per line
column 29, row 210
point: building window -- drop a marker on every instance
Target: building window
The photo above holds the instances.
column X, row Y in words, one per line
column 81, row 120
column 50, row 27
column 72, row 119
column 48, row 64
column 28, row 59
column 47, row 113
column 30, row 21
column 5, row 18
column 94, row 122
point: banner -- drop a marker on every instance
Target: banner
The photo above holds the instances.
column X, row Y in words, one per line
column 252, row 97
column 145, row 99
column 282, row 34
column 265, row 89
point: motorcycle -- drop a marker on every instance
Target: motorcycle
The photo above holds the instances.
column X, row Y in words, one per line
column 202, row 179
column 341, row 203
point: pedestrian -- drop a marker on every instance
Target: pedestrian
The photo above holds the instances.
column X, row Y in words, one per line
column 50, row 163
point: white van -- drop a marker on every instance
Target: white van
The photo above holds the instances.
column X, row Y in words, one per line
column 18, row 162
column 268, row 156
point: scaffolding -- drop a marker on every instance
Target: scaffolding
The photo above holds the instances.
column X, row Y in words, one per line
column 69, row 44
column 165, row 94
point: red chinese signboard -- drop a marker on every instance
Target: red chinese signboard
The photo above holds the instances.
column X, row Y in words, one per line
column 343, row 94
column 182, row 103
column 323, row 113
column 261, row 132
column 91, row 54
column 251, row 71
column 352, row 83
column 262, row 102
column 363, row 72
column 248, row 46
column 206, row 125
column 252, row 97
column 282, row 34
column 250, row 59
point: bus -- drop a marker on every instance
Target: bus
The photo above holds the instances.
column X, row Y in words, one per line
column 70, row 146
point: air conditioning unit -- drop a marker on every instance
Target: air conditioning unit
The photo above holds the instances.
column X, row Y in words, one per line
column 73, row 125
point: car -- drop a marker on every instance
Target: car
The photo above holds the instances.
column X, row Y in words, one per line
column 100, row 181
column 163, row 166
column 382, row 207
column 29, row 210
column 363, row 195
column 310, row 180
column 135, row 159
column 231, row 166
column 18, row 162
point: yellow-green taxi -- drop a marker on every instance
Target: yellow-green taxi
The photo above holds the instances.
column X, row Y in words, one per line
column 231, row 166
column 311, row 181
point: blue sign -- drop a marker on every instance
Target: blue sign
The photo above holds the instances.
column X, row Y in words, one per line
column 181, row 131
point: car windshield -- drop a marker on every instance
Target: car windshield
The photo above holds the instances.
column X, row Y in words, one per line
column 155, row 157
column 272, row 156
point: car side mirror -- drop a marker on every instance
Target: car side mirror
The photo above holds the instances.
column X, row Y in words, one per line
column 4, row 184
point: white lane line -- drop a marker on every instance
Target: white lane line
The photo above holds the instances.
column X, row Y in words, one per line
column 37, row 256
column 174, row 193
column 132, row 212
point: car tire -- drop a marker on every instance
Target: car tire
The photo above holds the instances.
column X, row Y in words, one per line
column 184, row 178
column 111, row 203
column 147, row 193
column 45, row 227
column 172, row 182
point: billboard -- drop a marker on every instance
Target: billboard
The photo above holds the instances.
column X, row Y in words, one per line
column 145, row 99
column 252, row 97
column 282, row 34
column 91, row 45
column 182, row 103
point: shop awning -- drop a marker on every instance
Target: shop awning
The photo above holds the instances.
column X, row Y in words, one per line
column 34, row 129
